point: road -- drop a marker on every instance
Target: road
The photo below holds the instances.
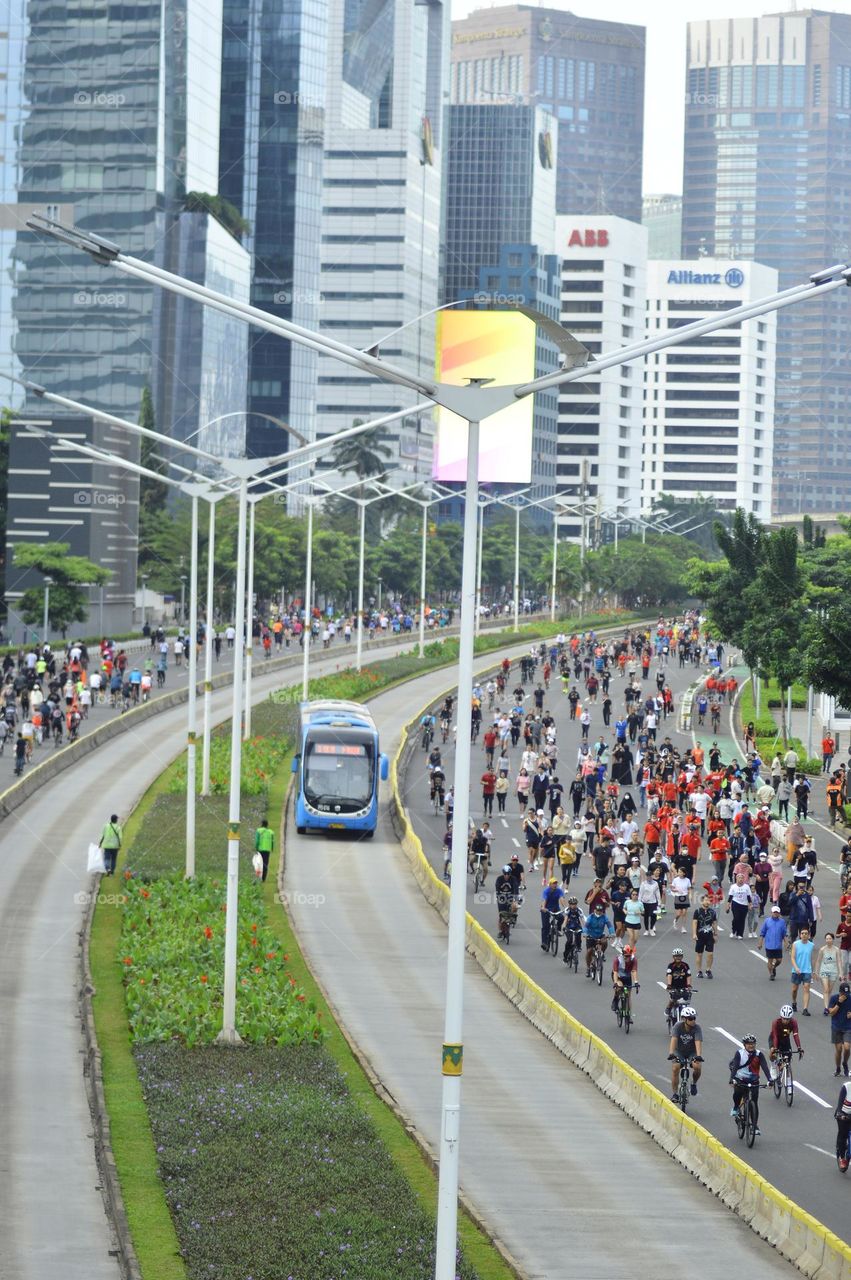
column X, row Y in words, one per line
column 795, row 1151
column 566, row 1181
column 52, row 1218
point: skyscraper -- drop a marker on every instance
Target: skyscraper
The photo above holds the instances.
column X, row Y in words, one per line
column 384, row 150
column 588, row 73
column 270, row 169
column 663, row 218
column 768, row 177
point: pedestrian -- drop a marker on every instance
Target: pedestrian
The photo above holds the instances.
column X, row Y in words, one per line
column 523, row 783
column 802, row 970
column 501, row 790
column 839, row 1011
column 110, row 843
column 827, row 968
column 739, row 899
column 264, row 843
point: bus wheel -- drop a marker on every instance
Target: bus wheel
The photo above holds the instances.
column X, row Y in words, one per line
column 302, row 831
column 367, row 835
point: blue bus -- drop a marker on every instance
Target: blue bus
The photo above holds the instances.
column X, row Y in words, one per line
column 339, row 767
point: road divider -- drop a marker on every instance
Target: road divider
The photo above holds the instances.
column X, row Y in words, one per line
column 799, row 1237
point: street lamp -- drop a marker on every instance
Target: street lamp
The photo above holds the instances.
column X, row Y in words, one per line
column 424, row 503
column 48, row 583
column 145, row 577
column 182, row 598
column 475, row 402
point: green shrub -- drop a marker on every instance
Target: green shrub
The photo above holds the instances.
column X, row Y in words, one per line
column 273, row 1172
column 172, row 955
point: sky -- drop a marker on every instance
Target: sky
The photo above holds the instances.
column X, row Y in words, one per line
column 665, row 22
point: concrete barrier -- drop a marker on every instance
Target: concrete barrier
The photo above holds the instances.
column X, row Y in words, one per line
column 799, row 1237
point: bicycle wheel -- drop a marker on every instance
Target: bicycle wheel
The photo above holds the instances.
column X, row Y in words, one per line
column 750, row 1122
column 790, row 1085
column 554, row 938
column 593, row 967
column 477, row 880
column 683, row 1091
column 740, row 1120
column 619, row 1013
column 575, row 959
column 627, row 1019
column 777, row 1083
column 599, row 971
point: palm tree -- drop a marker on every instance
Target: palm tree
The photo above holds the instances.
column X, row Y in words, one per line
column 365, row 458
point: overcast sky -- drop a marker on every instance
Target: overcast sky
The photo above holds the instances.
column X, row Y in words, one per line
column 665, row 22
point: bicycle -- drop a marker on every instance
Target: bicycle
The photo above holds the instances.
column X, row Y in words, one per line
column 444, row 729
column 428, row 734
column 784, row 1080
column 598, row 960
column 555, row 931
column 843, row 1161
column 505, row 923
column 746, row 1114
column 480, row 871
column 438, row 797
column 683, row 1087
column 623, row 1009
column 572, row 949
column 475, row 726
column 672, row 1012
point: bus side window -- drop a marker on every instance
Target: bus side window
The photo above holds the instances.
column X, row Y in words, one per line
column 385, row 767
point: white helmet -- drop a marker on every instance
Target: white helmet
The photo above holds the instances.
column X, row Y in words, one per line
column 688, row 1012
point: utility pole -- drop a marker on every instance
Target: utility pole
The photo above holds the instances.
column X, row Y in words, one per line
column 582, row 540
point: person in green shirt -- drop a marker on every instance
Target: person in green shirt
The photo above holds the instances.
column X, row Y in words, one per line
column 110, row 842
column 264, row 843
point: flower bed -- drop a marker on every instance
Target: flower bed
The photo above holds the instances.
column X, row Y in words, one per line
column 172, row 957
column 272, row 1172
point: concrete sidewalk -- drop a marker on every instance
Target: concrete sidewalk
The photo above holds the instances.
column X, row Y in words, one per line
column 566, row 1181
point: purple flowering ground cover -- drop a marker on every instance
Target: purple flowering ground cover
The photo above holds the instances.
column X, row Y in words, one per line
column 272, row 1172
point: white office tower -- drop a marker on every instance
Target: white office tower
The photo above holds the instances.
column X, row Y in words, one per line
column 709, row 403
column 603, row 273
column 381, row 201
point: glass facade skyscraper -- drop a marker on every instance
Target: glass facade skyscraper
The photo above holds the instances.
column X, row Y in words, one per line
column 270, row 168
column 588, row 73
column 768, row 177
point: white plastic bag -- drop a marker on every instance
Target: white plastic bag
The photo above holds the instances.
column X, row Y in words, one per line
column 257, row 864
column 96, row 863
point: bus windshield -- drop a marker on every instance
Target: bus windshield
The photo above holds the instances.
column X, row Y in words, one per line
column 339, row 772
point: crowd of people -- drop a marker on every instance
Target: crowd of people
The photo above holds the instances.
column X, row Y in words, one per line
column 658, row 832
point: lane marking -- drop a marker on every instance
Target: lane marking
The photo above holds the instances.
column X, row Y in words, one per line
column 758, row 955
column 820, row 1150
column 516, row 842
column 503, row 821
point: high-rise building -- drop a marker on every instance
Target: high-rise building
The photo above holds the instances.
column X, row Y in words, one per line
column 663, row 218
column 768, row 177
column 500, row 236
column 603, row 284
column 709, row 402
column 270, row 169
column 381, row 211
column 586, row 72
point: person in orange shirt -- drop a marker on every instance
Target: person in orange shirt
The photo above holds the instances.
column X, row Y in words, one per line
column 828, row 748
column 691, row 842
column 698, row 755
column 719, row 848
column 652, row 837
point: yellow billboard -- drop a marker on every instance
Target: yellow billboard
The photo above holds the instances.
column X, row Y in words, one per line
column 486, row 344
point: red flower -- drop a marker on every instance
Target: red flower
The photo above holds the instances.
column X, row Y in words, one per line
column 286, row 958
column 301, row 998
column 270, row 955
column 144, row 893
column 254, row 942
column 128, row 959
column 208, row 932
column 203, row 977
column 254, row 928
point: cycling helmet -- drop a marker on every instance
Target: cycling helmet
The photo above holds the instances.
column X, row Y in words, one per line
column 506, row 869
column 786, row 1011
column 748, row 1039
column 599, row 907
column 628, row 950
column 572, row 902
column 688, row 1012
column 677, row 953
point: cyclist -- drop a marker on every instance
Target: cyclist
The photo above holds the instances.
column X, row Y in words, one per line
column 437, row 786
column 506, row 898
column 478, row 852
column 135, row 684
column 573, row 922
column 780, row 1036
column 551, row 910
column 447, row 852
column 745, row 1066
column 686, row 1045
column 597, row 927
column 427, row 723
column 434, row 758
column 678, row 980
column 624, row 974
column 518, row 875
column 842, row 1115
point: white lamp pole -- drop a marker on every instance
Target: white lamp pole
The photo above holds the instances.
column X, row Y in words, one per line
column 212, row 499
column 193, row 691
column 249, row 614
column 308, row 570
column 423, row 579
column 359, row 638
column 481, row 538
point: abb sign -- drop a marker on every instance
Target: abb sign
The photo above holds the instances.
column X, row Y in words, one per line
column 588, row 239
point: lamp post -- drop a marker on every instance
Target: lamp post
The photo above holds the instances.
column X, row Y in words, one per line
column 182, row 598
column 48, row 583
column 253, row 499
column 475, row 402
column 145, row 577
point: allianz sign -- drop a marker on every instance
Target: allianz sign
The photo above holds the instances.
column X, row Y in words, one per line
column 733, row 278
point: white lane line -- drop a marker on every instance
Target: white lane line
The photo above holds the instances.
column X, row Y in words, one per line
column 820, row 1150
column 801, row 1087
column 516, row 842
column 758, row 955
column 504, row 823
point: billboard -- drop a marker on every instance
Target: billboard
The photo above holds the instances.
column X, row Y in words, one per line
column 486, row 344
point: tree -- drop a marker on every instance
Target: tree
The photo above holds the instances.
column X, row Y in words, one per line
column 774, row 628
column 219, row 208
column 698, row 517
column 68, row 602
column 365, row 458
column 152, row 493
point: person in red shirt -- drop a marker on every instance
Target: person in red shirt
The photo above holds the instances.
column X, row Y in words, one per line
column 669, row 792
column 843, row 937
column 719, row 848
column 691, row 842
column 488, row 790
column 828, row 748
column 489, row 740
column 780, row 1037
column 698, row 755
column 652, row 837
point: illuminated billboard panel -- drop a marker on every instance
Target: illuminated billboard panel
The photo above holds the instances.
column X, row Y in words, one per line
column 486, row 344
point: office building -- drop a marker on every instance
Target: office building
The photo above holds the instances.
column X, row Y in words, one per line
column 709, row 403
column 587, row 73
column 767, row 177
column 603, row 286
column 58, row 495
column 663, row 218
column 270, row 169
column 381, row 211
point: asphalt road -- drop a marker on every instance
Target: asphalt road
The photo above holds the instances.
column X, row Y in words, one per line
column 561, row 1176
column 795, row 1151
